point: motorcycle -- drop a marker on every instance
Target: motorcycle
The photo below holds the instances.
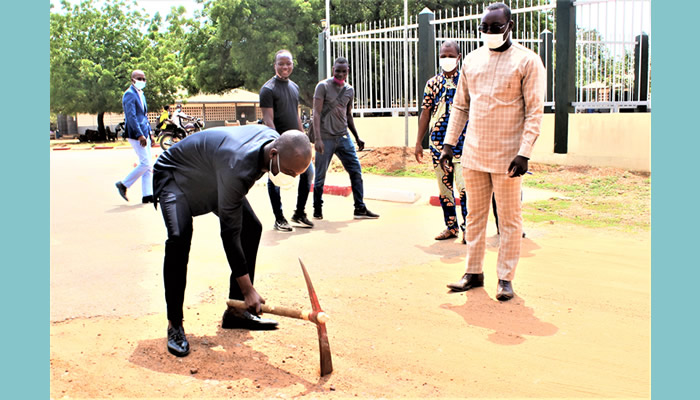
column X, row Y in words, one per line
column 173, row 133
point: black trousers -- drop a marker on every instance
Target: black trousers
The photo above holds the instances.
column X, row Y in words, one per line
column 178, row 221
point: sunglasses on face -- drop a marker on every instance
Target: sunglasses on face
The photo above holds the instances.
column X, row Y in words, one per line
column 141, row 79
column 494, row 28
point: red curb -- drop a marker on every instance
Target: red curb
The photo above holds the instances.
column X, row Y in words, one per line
column 60, row 148
column 435, row 201
column 103, row 147
column 335, row 190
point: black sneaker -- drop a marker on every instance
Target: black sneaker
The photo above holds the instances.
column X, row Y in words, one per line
column 177, row 341
column 318, row 214
column 283, row 225
column 302, row 220
column 364, row 213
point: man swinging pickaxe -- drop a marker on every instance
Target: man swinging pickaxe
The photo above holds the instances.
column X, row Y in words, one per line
column 316, row 315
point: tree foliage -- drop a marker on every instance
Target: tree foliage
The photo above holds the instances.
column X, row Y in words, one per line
column 237, row 43
column 93, row 52
column 345, row 12
column 231, row 44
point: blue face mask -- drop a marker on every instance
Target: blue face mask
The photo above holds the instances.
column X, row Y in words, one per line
column 140, row 85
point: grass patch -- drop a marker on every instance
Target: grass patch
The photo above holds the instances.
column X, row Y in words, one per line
column 608, row 198
column 597, row 198
column 410, row 171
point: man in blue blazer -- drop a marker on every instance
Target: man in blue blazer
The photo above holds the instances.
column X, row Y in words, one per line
column 138, row 131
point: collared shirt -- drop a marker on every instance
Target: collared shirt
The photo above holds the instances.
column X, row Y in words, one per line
column 142, row 99
column 438, row 95
column 501, row 94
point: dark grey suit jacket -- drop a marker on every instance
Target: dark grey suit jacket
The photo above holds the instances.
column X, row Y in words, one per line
column 215, row 169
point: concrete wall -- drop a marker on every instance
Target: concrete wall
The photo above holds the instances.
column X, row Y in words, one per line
column 386, row 131
column 621, row 140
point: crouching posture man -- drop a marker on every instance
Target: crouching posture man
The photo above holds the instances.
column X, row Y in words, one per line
column 213, row 172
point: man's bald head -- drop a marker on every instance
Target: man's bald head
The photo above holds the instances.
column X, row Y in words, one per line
column 138, row 75
column 294, row 151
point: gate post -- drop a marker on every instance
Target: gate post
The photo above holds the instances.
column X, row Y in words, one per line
column 641, row 70
column 565, row 90
column 426, row 57
column 322, row 73
column 546, row 40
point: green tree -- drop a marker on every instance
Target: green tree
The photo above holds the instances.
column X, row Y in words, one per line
column 93, row 52
column 345, row 12
column 594, row 63
column 237, row 44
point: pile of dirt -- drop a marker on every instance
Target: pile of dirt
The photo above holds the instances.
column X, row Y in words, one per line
column 388, row 159
column 391, row 159
column 395, row 158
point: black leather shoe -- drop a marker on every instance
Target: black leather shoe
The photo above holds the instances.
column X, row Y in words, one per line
column 235, row 319
column 147, row 199
column 468, row 281
column 122, row 190
column 504, row 291
column 177, row 341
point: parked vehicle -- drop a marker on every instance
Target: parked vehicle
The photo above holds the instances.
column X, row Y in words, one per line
column 173, row 133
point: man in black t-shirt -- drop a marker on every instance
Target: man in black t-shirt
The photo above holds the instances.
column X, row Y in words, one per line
column 279, row 102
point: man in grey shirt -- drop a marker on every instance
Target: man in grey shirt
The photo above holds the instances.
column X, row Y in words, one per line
column 333, row 104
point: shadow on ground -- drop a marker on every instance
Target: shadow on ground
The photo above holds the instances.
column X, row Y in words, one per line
column 510, row 321
column 223, row 357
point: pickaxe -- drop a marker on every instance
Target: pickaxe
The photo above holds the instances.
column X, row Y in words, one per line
column 316, row 315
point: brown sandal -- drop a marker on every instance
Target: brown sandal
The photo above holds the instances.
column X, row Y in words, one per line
column 446, row 234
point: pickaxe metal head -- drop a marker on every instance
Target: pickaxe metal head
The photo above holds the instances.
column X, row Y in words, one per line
column 323, row 345
column 316, row 315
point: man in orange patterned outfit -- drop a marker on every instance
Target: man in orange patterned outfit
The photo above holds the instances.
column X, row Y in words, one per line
column 501, row 94
column 435, row 114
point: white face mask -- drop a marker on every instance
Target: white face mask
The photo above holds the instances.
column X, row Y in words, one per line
column 140, row 85
column 494, row 40
column 280, row 180
column 448, row 64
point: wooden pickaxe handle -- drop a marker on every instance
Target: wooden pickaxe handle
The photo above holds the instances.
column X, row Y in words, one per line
column 317, row 318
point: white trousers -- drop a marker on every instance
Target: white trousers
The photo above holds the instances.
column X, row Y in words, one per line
column 143, row 170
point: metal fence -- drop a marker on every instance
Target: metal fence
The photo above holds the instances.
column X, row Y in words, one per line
column 531, row 18
column 612, row 52
column 378, row 67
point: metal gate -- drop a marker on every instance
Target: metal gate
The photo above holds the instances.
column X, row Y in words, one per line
column 612, row 53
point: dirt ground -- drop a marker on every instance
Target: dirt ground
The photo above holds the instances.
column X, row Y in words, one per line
column 579, row 326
